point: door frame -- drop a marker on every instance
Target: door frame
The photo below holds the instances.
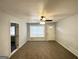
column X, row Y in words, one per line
column 16, row 36
column 46, row 33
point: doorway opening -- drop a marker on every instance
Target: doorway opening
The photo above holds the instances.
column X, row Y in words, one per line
column 14, row 33
column 50, row 31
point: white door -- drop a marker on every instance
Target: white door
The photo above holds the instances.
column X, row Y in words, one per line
column 50, row 32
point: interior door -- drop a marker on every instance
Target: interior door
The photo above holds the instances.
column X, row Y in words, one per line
column 50, row 31
column 17, row 35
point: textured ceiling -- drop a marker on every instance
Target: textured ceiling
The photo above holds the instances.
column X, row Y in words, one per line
column 32, row 9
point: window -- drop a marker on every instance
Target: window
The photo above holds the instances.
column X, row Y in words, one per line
column 12, row 30
column 37, row 31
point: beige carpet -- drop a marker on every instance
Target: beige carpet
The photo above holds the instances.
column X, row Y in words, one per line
column 43, row 50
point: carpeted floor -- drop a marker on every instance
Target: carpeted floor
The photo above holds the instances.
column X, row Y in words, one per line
column 43, row 50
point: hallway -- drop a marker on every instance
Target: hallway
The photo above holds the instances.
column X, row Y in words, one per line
column 43, row 50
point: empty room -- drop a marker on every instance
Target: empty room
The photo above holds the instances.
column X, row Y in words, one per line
column 38, row 29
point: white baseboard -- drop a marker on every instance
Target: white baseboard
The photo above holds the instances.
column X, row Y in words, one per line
column 41, row 40
column 72, row 50
column 15, row 50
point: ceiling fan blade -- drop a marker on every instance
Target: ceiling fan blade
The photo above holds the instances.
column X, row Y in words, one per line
column 48, row 20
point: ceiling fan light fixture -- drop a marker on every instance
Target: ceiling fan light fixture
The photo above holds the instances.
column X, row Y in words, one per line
column 42, row 22
column 44, row 19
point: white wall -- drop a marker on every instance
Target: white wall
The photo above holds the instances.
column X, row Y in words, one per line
column 4, row 35
column 67, row 33
column 5, row 21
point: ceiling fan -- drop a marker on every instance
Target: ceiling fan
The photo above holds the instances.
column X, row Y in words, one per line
column 44, row 19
